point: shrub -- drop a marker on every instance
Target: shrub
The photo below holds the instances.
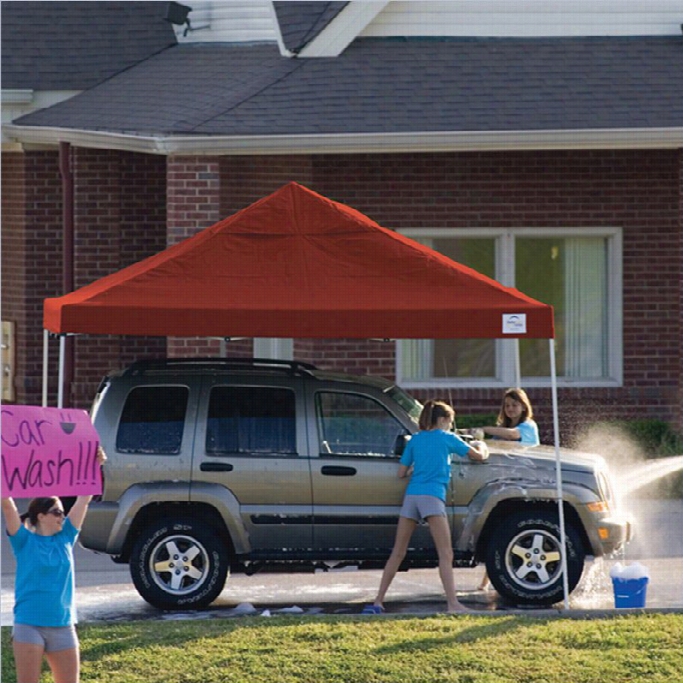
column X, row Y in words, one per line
column 471, row 421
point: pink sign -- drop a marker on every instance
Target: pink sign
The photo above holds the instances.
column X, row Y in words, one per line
column 49, row 452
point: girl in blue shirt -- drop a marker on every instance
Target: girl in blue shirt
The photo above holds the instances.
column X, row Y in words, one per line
column 515, row 420
column 427, row 460
column 44, row 610
column 515, row 423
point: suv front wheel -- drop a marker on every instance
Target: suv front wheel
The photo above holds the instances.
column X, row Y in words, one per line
column 177, row 565
column 524, row 558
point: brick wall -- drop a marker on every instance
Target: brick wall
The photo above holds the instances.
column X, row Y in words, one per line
column 245, row 180
column 638, row 191
column 119, row 219
column 31, row 259
column 13, row 251
column 124, row 202
column 355, row 356
column 192, row 204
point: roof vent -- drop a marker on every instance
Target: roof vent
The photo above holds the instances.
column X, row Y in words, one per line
column 178, row 14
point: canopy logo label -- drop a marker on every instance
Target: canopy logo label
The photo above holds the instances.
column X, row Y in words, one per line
column 514, row 323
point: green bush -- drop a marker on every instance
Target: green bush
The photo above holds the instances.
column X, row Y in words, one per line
column 655, row 436
column 655, row 440
column 472, row 421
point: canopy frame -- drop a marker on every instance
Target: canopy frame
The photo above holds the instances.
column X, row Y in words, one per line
column 330, row 242
column 556, row 434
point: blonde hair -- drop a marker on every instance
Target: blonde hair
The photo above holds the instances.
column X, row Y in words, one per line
column 432, row 411
column 520, row 396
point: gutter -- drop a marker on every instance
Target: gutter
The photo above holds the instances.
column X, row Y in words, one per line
column 355, row 143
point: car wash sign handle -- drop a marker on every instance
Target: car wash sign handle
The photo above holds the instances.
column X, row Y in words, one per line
column 49, row 452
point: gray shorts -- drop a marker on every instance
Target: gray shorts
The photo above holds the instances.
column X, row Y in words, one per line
column 52, row 638
column 418, row 508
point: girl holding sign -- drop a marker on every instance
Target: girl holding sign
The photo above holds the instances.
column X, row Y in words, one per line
column 44, row 609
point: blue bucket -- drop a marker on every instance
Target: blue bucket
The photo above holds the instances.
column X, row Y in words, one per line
column 630, row 592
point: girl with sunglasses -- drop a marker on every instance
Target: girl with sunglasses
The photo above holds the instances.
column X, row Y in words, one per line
column 42, row 541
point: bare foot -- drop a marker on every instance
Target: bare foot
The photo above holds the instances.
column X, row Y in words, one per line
column 457, row 608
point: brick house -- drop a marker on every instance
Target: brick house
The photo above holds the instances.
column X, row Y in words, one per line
column 541, row 147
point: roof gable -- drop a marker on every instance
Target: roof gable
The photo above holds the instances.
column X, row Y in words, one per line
column 301, row 22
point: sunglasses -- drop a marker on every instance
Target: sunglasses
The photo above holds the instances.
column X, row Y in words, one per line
column 56, row 512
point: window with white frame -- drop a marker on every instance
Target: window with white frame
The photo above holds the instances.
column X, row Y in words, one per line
column 578, row 272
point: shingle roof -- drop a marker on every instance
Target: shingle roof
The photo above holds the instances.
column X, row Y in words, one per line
column 74, row 45
column 301, row 22
column 384, row 85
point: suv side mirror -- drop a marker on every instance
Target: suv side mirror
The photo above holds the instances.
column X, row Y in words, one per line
column 400, row 444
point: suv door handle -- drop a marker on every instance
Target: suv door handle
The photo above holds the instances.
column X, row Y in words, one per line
column 216, row 467
column 338, row 471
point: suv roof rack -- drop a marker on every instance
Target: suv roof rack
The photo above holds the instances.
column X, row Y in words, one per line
column 293, row 367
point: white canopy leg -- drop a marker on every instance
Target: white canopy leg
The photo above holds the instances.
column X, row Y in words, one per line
column 558, row 473
column 62, row 357
column 46, row 341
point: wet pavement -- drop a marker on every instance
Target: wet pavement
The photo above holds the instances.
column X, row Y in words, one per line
column 105, row 592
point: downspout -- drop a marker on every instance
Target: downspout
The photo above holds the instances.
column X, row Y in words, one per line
column 68, row 258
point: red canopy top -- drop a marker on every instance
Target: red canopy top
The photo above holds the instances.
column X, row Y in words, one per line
column 296, row 264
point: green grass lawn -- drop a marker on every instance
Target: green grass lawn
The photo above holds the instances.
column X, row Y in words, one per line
column 464, row 649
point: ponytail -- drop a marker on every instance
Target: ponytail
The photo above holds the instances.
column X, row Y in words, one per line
column 432, row 411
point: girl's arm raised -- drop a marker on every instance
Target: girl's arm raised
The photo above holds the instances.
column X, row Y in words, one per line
column 12, row 518
column 80, row 507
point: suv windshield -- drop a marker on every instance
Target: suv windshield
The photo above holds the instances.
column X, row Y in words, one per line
column 412, row 406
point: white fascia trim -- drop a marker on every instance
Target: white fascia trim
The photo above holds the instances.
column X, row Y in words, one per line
column 14, row 96
column 42, row 135
column 496, row 141
column 278, row 34
column 343, row 29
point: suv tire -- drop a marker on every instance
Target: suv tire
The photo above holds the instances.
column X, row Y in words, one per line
column 523, row 559
column 177, row 565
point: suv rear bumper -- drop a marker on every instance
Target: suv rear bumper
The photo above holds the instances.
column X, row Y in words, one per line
column 98, row 523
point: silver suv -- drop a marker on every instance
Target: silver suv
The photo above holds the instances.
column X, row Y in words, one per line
column 222, row 465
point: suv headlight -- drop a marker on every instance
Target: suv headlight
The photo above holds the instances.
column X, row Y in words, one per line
column 605, row 488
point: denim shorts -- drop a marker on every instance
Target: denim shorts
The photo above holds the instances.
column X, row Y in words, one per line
column 52, row 638
column 418, row 508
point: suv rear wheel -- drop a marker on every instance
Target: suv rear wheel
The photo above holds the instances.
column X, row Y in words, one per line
column 176, row 565
column 524, row 558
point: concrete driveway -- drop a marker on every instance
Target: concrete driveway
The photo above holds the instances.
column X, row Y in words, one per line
column 105, row 592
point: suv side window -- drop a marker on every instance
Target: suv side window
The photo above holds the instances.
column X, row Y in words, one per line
column 251, row 420
column 153, row 420
column 353, row 424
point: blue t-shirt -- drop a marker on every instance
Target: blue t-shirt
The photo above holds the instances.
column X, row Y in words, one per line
column 44, row 583
column 528, row 432
column 429, row 453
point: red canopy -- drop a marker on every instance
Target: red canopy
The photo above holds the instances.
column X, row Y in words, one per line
column 296, row 264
